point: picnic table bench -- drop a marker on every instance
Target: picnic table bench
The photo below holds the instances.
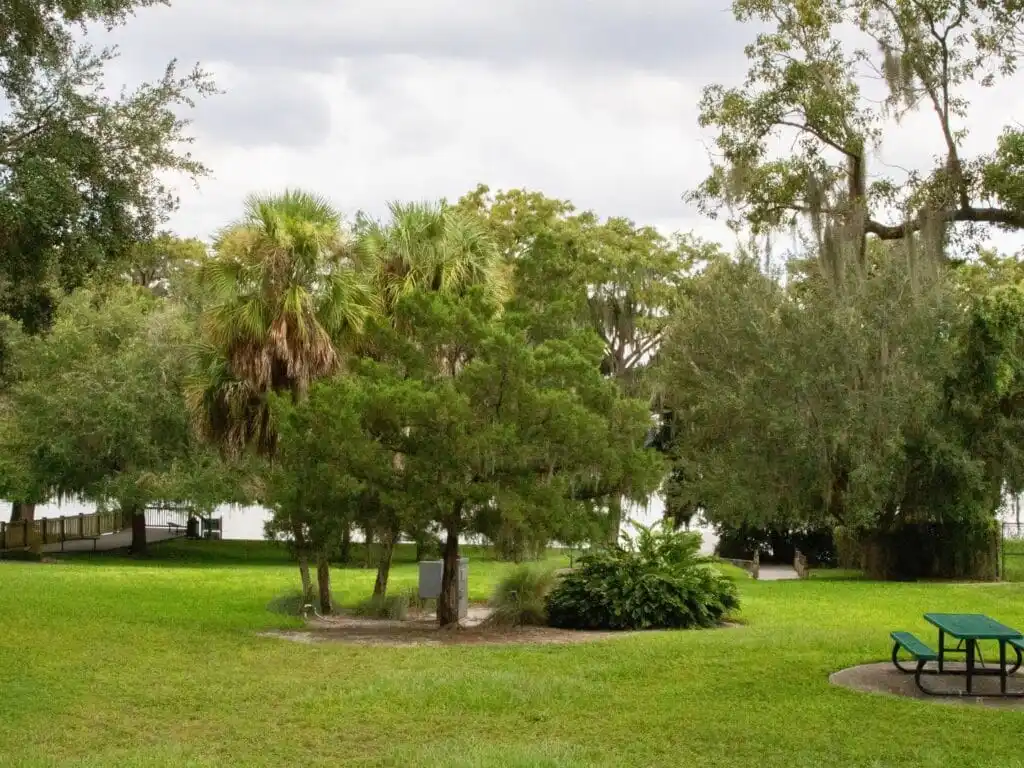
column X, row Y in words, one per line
column 968, row 629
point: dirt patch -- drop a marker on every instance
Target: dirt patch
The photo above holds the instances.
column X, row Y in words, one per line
column 425, row 632
column 422, row 630
column 885, row 679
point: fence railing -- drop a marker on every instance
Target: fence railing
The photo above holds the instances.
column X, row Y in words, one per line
column 162, row 516
column 1011, row 552
column 25, row 534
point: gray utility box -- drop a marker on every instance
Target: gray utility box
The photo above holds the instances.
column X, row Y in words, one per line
column 430, row 582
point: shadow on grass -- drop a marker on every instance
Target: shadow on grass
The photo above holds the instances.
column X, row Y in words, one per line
column 232, row 552
column 837, row 574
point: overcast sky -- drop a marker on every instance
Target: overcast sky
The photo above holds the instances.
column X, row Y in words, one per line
column 372, row 100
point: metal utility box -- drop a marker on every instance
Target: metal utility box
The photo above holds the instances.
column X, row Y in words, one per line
column 430, row 582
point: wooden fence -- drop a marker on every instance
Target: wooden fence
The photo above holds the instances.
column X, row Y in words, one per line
column 27, row 534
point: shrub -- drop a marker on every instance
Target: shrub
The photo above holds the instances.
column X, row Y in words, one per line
column 521, row 597
column 289, row 603
column 394, row 607
column 657, row 580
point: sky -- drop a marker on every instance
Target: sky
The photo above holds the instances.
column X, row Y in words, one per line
column 367, row 101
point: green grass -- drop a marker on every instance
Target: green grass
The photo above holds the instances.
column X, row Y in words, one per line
column 107, row 661
column 1013, row 558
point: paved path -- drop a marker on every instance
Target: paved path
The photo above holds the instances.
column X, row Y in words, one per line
column 109, row 541
column 776, row 573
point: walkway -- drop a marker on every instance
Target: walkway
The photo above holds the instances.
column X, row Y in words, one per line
column 776, row 573
column 112, row 541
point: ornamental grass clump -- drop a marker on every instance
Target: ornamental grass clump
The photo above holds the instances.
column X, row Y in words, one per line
column 521, row 597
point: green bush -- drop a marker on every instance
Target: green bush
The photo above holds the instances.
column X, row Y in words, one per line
column 521, row 597
column 657, row 580
column 394, row 607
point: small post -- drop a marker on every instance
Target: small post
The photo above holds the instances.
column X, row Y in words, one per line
column 1002, row 543
column 800, row 564
column 755, row 568
column 3, row 536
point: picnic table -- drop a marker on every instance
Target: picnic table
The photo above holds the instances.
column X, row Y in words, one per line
column 968, row 629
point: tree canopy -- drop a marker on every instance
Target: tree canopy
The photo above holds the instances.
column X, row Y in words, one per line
column 80, row 170
column 796, row 139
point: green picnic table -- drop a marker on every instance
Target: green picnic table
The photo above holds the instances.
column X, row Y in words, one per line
column 968, row 629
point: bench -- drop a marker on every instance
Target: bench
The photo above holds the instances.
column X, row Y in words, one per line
column 1017, row 643
column 914, row 647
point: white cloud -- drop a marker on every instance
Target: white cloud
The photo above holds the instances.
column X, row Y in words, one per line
column 623, row 145
column 373, row 100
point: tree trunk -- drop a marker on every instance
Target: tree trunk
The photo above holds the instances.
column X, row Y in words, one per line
column 448, row 602
column 380, row 587
column 368, row 548
column 138, row 530
column 303, row 556
column 346, row 545
column 323, row 580
column 23, row 510
column 614, row 518
column 307, row 580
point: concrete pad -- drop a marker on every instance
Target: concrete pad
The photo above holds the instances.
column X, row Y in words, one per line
column 884, row 678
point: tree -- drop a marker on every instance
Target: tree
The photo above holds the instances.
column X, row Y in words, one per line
column 784, row 410
column 167, row 265
column 574, row 273
column 282, row 296
column 887, row 405
column 98, row 408
column 514, row 427
column 428, row 247
column 806, row 89
column 422, row 248
column 80, row 172
column 327, row 468
column 39, row 34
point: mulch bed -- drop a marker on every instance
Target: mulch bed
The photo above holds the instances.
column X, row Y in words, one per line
column 424, row 631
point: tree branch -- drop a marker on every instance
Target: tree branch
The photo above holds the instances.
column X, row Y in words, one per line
column 998, row 216
column 819, row 136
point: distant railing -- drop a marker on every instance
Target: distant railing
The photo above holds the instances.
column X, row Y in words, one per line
column 25, row 534
column 167, row 516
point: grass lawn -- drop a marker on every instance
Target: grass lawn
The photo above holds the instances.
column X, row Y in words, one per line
column 1013, row 559
column 106, row 661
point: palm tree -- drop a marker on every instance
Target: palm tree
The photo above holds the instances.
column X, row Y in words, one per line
column 282, row 297
column 429, row 247
column 426, row 247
